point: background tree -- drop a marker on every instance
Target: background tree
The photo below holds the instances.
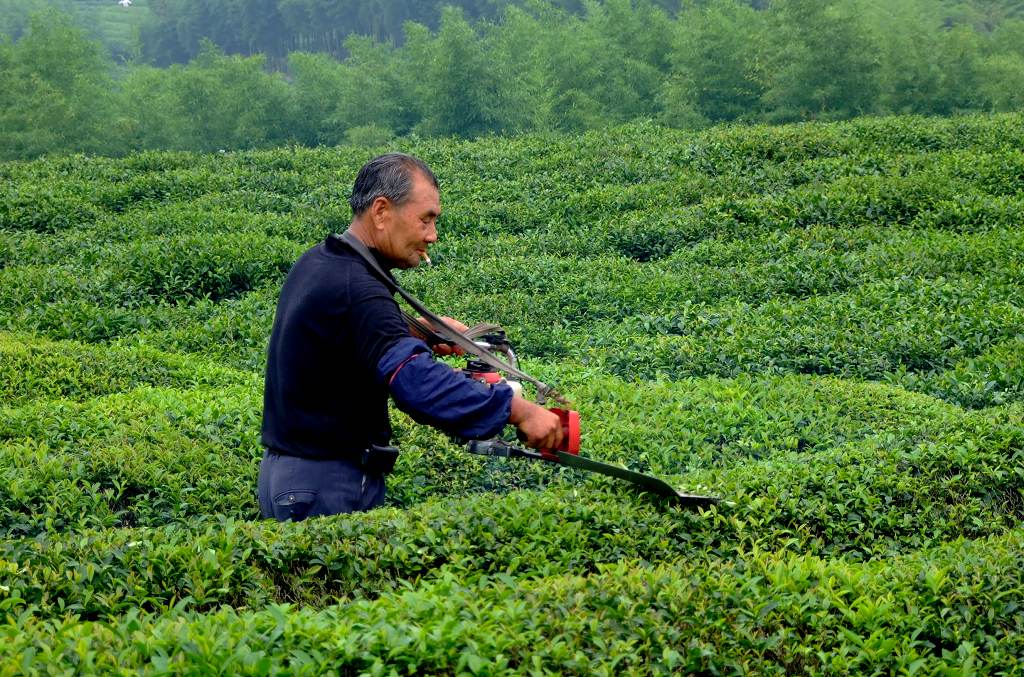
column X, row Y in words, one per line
column 558, row 65
column 318, row 88
column 56, row 92
column 1001, row 71
column 987, row 15
column 16, row 14
column 379, row 92
column 908, row 35
column 216, row 102
column 823, row 61
column 717, row 55
column 635, row 57
column 523, row 48
column 452, row 83
column 959, row 58
column 157, row 119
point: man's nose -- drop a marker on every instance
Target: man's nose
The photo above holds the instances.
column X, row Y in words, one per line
column 431, row 237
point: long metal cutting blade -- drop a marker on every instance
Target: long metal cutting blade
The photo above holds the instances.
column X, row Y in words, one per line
column 647, row 482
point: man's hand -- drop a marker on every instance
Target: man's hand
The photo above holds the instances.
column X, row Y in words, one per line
column 542, row 428
column 443, row 348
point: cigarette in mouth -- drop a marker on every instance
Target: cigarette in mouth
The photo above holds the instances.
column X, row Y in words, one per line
column 426, row 258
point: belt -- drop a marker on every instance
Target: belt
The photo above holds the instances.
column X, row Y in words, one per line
column 375, row 459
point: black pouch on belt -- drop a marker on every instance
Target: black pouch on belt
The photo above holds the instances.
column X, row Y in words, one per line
column 379, row 460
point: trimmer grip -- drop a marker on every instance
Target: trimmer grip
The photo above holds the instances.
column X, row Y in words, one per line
column 570, row 434
column 570, row 430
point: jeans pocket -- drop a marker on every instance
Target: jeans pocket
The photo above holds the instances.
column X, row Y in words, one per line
column 293, row 505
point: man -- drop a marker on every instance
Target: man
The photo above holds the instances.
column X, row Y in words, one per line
column 339, row 347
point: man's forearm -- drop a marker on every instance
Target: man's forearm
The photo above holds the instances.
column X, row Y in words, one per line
column 433, row 393
column 520, row 410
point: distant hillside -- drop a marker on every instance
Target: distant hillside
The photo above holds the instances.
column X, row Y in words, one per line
column 105, row 20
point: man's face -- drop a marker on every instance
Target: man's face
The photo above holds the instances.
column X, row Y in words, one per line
column 411, row 227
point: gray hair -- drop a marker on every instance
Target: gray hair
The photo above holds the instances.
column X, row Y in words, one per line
column 389, row 176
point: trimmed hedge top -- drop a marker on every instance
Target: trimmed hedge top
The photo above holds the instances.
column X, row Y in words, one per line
column 823, row 324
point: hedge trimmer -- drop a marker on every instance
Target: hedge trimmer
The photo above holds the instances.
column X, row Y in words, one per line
column 482, row 342
column 492, row 338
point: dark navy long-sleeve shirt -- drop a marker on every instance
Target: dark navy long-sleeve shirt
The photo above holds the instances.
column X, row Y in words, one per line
column 339, row 347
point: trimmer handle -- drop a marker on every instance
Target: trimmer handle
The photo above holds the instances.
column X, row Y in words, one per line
column 570, row 434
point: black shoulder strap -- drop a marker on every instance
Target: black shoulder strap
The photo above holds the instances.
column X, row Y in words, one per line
column 432, row 337
column 442, row 333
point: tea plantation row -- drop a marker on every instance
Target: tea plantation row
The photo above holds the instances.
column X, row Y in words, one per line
column 79, row 453
column 823, row 324
column 948, row 610
column 878, row 498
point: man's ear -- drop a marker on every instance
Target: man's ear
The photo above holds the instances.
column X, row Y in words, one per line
column 380, row 211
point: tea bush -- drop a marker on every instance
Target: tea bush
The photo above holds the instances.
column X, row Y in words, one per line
column 32, row 369
column 821, row 324
column 884, row 496
column 768, row 613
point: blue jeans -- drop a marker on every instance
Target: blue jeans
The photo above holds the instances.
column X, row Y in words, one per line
column 292, row 488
